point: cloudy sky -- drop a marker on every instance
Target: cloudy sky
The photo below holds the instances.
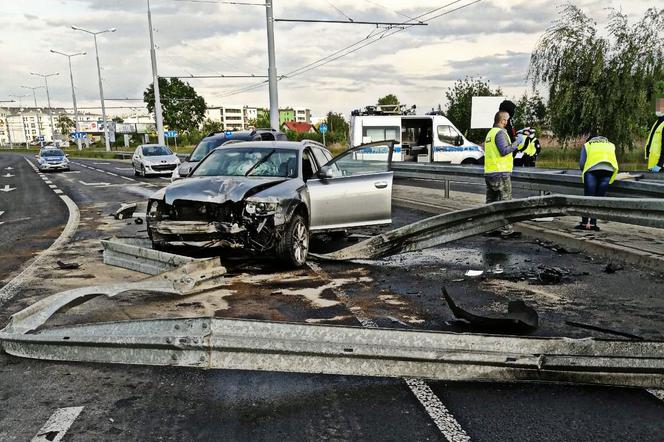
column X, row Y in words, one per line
column 492, row 39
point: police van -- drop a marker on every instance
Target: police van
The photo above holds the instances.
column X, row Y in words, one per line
column 420, row 138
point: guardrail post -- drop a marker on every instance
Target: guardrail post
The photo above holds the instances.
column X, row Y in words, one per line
column 446, row 183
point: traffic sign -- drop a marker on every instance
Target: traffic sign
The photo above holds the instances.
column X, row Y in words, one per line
column 40, row 138
column 79, row 135
column 171, row 133
column 322, row 128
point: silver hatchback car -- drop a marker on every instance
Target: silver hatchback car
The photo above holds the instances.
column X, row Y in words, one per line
column 154, row 159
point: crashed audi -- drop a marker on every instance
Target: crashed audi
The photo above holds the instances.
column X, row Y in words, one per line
column 268, row 197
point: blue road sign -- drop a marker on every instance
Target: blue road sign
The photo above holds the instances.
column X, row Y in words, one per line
column 171, row 133
column 79, row 135
column 228, row 134
column 322, row 128
column 40, row 138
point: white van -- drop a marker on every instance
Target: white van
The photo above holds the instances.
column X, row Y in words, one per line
column 426, row 138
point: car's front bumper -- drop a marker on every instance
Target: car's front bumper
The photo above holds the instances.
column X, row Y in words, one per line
column 53, row 166
column 160, row 169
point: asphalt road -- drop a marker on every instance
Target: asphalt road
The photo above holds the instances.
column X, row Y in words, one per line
column 153, row 403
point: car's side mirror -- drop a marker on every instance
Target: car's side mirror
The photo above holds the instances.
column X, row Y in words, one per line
column 326, row 172
column 36, row 156
column 458, row 141
column 187, row 158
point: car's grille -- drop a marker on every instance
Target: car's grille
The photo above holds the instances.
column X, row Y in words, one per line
column 163, row 166
column 194, row 211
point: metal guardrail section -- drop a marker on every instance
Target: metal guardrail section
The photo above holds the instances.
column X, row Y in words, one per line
column 555, row 181
column 452, row 226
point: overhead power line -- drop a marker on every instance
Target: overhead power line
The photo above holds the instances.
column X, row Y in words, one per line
column 220, row 2
column 353, row 22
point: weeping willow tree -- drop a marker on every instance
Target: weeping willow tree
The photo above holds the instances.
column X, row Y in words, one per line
column 600, row 80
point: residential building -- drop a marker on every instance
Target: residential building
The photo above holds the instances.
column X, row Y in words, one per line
column 230, row 117
column 302, row 115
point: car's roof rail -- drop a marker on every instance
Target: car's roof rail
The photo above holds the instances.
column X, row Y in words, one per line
column 308, row 141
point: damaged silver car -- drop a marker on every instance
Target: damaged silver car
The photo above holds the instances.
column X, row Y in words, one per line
column 269, row 196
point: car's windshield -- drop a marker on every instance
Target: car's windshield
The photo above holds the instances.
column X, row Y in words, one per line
column 52, row 153
column 153, row 151
column 238, row 161
column 204, row 147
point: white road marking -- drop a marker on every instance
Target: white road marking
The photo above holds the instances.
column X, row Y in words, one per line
column 7, row 188
column 659, row 394
column 58, row 191
column 8, row 175
column 57, row 425
column 52, row 186
column 1, row 212
column 12, row 287
column 94, row 184
column 100, row 163
column 111, row 173
column 128, row 179
column 123, row 168
column 72, row 171
column 9, row 168
column 436, row 410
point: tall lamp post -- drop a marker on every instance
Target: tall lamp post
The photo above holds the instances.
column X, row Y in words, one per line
column 159, row 118
column 34, row 97
column 101, row 87
column 9, row 132
column 73, row 93
column 48, row 98
column 20, row 111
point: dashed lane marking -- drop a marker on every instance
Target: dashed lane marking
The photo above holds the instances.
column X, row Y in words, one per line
column 127, row 178
column 12, row 287
column 434, row 407
column 52, row 186
column 99, row 164
column 111, row 173
column 123, row 168
column 57, row 425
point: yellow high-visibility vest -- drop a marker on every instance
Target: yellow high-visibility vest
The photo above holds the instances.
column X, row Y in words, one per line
column 493, row 160
column 654, row 145
column 600, row 151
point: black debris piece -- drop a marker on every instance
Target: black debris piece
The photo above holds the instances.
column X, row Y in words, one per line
column 125, row 211
column 604, row 330
column 138, row 220
column 519, row 319
column 67, row 265
column 552, row 275
column 613, row 268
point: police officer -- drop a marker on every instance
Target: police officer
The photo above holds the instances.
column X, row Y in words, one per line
column 498, row 165
column 599, row 167
column 654, row 143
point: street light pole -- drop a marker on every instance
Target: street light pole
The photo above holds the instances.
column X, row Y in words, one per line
column 48, row 99
column 101, row 87
column 34, row 97
column 272, row 66
column 20, row 112
column 73, row 93
column 9, row 132
column 159, row 118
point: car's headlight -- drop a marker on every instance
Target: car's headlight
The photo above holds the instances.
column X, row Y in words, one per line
column 261, row 207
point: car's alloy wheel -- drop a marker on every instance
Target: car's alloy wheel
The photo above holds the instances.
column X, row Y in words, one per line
column 143, row 174
column 294, row 245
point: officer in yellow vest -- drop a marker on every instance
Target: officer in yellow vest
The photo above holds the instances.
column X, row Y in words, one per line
column 498, row 165
column 654, row 144
column 599, row 167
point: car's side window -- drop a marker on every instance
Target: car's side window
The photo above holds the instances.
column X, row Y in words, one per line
column 308, row 165
column 319, row 155
column 361, row 161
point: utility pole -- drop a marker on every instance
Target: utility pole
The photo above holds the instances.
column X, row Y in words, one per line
column 9, row 132
column 272, row 66
column 159, row 119
column 48, row 99
column 101, row 87
column 73, row 93
column 34, row 97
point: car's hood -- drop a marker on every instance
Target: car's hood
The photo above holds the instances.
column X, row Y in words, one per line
column 161, row 159
column 216, row 189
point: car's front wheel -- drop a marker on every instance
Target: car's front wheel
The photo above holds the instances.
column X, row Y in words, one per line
column 293, row 246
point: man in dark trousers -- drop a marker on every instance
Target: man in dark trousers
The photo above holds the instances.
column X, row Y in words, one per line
column 654, row 143
column 599, row 167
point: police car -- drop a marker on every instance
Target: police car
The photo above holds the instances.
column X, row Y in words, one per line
column 50, row 158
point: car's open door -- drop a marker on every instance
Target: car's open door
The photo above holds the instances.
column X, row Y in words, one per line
column 353, row 189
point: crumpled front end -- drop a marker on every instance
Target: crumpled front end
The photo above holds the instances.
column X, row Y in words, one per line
column 249, row 224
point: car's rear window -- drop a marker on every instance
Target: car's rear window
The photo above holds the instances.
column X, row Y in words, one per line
column 52, row 153
column 263, row 161
column 204, row 148
column 154, row 151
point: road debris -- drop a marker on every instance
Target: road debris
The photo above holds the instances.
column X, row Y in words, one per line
column 125, row 211
column 552, row 275
column 474, row 273
column 519, row 319
column 67, row 265
column 613, row 268
column 603, row 330
column 138, row 220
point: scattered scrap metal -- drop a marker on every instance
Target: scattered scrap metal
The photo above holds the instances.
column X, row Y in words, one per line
column 452, row 226
column 125, row 211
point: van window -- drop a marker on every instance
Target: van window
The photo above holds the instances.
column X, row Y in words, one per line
column 381, row 133
column 448, row 134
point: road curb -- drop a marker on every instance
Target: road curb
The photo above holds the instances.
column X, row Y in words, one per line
column 611, row 252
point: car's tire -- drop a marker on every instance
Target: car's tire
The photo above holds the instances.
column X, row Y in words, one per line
column 133, row 166
column 293, row 246
column 143, row 174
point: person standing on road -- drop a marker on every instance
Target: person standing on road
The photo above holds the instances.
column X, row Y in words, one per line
column 599, row 167
column 654, row 144
column 498, row 165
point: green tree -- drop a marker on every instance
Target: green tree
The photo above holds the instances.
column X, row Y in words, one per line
column 210, row 126
column 459, row 104
column 388, row 99
column 531, row 111
column 338, row 127
column 262, row 119
column 182, row 107
column 64, row 124
column 600, row 80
